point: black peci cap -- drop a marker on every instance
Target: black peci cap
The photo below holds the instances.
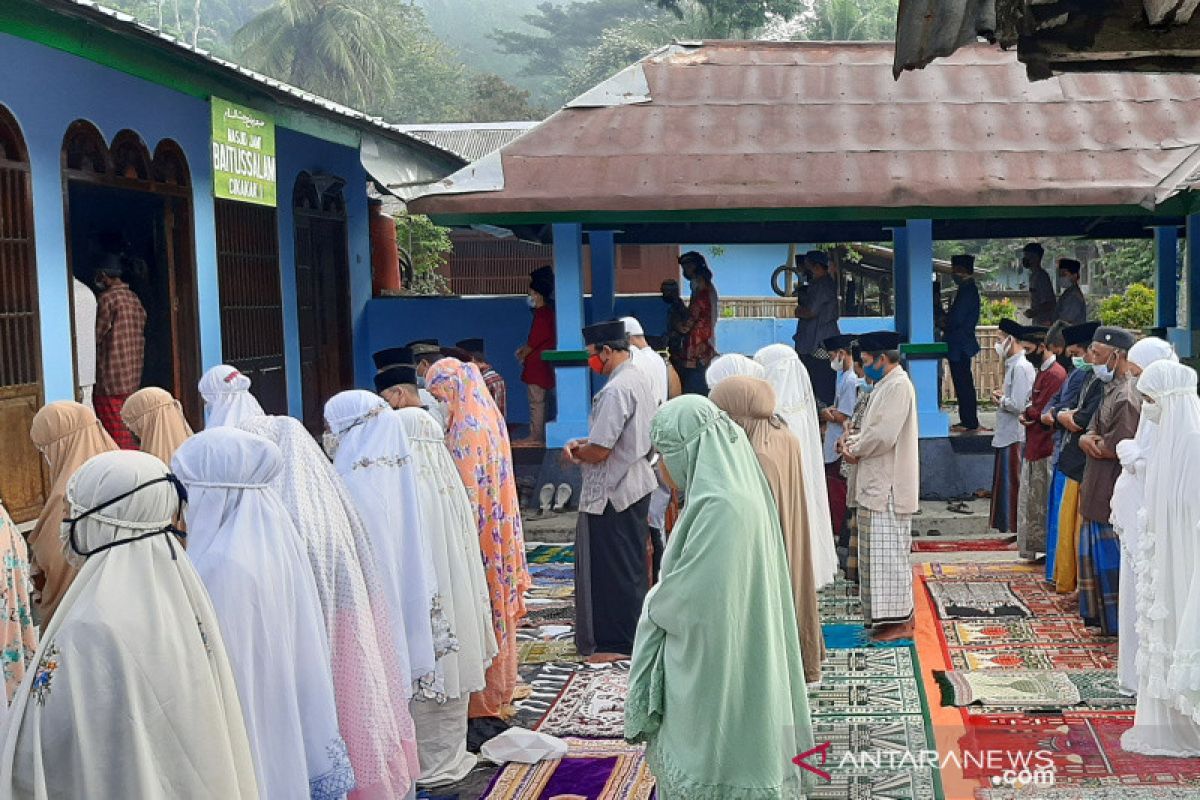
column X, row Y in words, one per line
column 1079, row 334
column 603, row 332
column 879, row 342
column 394, row 376
column 393, row 356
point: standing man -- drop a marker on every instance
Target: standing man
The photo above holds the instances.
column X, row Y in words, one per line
column 817, row 320
column 835, row 418
column 612, row 531
column 647, row 359
column 1012, row 400
column 84, row 310
column 887, row 478
column 962, row 344
column 677, row 317
column 120, row 348
column 495, row 382
column 703, row 308
column 1115, row 421
column 1042, row 301
column 1037, row 465
column 1072, row 306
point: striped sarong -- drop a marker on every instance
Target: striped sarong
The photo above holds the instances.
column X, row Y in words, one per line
column 1031, row 506
column 1006, row 483
column 884, row 571
column 1053, row 507
column 1099, row 576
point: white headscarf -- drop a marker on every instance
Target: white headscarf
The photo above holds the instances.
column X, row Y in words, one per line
column 1168, row 594
column 370, row 668
column 374, row 459
column 448, row 519
column 1146, row 351
column 227, row 398
column 131, row 692
column 795, row 402
column 729, row 365
column 248, row 554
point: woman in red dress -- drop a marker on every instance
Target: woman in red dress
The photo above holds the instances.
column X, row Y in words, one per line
column 537, row 375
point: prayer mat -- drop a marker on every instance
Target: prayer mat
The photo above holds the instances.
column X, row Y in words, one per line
column 591, row 770
column 838, row 589
column 976, row 599
column 1008, row 688
column 865, row 696
column 555, row 615
column 1100, row 688
column 991, row 543
column 543, row 574
column 547, row 682
column 1049, row 631
column 840, row 609
column 545, row 652
column 940, row 571
column 873, row 784
column 551, row 554
column 869, row 662
column 1052, row 657
column 1089, row 793
column 844, row 636
column 591, row 705
column 853, row 737
column 552, row 592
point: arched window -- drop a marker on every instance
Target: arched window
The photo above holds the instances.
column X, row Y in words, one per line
column 84, row 149
column 170, row 165
column 130, row 157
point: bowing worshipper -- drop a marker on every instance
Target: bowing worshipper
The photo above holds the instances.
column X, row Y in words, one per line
column 478, row 443
column 731, row 680
column 730, row 364
column 397, row 385
column 18, row 634
column 1167, row 722
column 795, row 403
column 1037, row 467
column 66, row 434
column 835, row 417
column 371, row 452
column 251, row 559
column 494, row 381
column 1114, row 421
column 132, row 695
column 850, row 471
column 371, row 686
column 612, row 530
column 227, row 398
column 156, row 419
column 408, row 392
column 1009, row 438
column 1129, row 494
column 448, row 520
column 886, row 485
column 750, row 402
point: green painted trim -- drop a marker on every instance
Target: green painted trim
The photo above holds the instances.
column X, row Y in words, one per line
column 565, row 357
column 926, row 350
column 161, row 63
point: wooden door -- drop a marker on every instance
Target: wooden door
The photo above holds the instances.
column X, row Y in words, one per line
column 22, row 481
column 251, row 299
column 322, row 297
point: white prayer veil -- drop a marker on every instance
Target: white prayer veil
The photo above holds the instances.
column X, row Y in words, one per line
column 374, row 459
column 227, row 398
column 732, row 364
column 795, row 402
column 131, row 692
column 249, row 556
column 370, row 668
column 1146, row 351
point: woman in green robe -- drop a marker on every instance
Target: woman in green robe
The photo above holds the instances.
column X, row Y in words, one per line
column 717, row 689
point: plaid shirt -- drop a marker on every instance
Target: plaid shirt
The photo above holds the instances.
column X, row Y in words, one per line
column 496, row 386
column 120, row 341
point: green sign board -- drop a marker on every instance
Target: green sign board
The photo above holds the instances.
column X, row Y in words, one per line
column 243, row 154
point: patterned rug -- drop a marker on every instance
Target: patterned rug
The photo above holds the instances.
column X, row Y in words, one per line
column 544, row 652
column 872, row 784
column 552, row 592
column 559, row 614
column 870, row 696
column 547, row 682
column 1065, row 630
column 591, row 770
column 551, row 554
column 1088, row 793
column 871, row 736
column 869, row 662
column 964, row 545
column 591, row 705
column 555, row 574
column 1008, row 688
column 1047, row 657
column 975, row 600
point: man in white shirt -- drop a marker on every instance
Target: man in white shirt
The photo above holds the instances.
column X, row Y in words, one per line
column 646, row 359
column 85, row 341
column 1011, row 402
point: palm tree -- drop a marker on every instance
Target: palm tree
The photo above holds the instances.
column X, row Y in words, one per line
column 852, row 20
column 335, row 48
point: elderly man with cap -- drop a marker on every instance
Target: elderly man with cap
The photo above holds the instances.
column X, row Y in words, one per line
column 817, row 313
column 1115, row 421
column 618, row 480
column 1072, row 306
column 536, row 374
column 398, row 381
column 962, row 345
column 1041, row 289
column 887, row 479
column 1037, row 464
column 120, row 348
column 647, row 359
column 835, row 417
column 495, row 382
column 1011, row 402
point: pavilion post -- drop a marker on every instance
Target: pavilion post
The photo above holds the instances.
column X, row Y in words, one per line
column 914, row 321
column 573, row 393
column 604, row 274
column 1166, row 285
column 1184, row 336
column 900, row 278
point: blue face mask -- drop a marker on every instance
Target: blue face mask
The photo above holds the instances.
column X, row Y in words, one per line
column 873, row 373
column 866, row 387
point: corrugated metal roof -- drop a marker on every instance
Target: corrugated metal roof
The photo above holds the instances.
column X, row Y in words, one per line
column 807, row 125
column 470, row 141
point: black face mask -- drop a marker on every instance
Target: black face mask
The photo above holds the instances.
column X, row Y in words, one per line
column 180, row 492
column 1065, row 361
column 1037, row 359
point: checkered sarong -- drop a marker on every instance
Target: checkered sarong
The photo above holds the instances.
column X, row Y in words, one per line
column 884, row 572
column 1036, row 477
column 108, row 411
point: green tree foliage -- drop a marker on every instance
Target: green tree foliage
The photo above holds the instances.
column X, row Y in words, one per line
column 732, row 19
column 1122, row 263
column 1134, row 309
column 995, row 310
column 490, row 98
column 850, row 21
column 424, row 248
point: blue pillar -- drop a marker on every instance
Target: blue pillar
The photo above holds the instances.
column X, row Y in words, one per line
column 571, row 383
column 915, row 297
column 1166, row 286
column 1184, row 337
column 604, row 274
column 900, row 278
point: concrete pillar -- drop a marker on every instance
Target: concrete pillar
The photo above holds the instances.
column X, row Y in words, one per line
column 900, row 278
column 604, row 274
column 1184, row 336
column 914, row 304
column 1166, row 285
column 571, row 383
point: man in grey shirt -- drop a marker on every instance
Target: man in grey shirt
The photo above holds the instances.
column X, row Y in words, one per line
column 817, row 312
column 1072, row 305
column 612, row 533
column 1041, row 289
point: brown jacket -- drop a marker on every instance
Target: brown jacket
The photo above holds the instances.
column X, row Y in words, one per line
column 886, row 446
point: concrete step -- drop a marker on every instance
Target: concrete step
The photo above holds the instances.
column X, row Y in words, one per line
column 550, row 528
column 936, row 521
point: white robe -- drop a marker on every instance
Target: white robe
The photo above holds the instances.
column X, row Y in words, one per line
column 131, row 694
column 227, row 398
column 729, row 365
column 85, row 340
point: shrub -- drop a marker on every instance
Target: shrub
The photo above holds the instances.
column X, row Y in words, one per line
column 1133, row 310
column 995, row 310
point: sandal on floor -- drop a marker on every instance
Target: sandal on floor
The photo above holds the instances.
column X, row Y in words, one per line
column 561, row 496
column 959, row 507
column 545, row 498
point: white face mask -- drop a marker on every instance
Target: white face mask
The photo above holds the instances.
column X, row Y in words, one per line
column 1103, row 372
column 329, row 443
column 1151, row 412
column 1002, row 346
column 837, row 366
column 529, row 301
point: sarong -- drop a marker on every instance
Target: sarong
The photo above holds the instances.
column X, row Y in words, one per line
column 442, row 741
column 1066, row 551
column 610, row 577
column 835, row 485
column 108, row 411
column 1006, row 482
column 1031, row 511
column 884, row 573
column 851, row 567
column 1053, row 506
column 1099, row 576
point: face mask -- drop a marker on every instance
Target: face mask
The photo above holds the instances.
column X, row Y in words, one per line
column 1037, row 359
column 420, row 382
column 1002, row 347
column 958, row 280
column 1104, row 372
column 837, row 367
column 866, row 387
column 329, row 443
column 873, row 372
column 1066, row 280
column 1152, row 412
column 693, row 285
column 180, row 492
column 596, row 363
column 1081, row 363
column 529, row 301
